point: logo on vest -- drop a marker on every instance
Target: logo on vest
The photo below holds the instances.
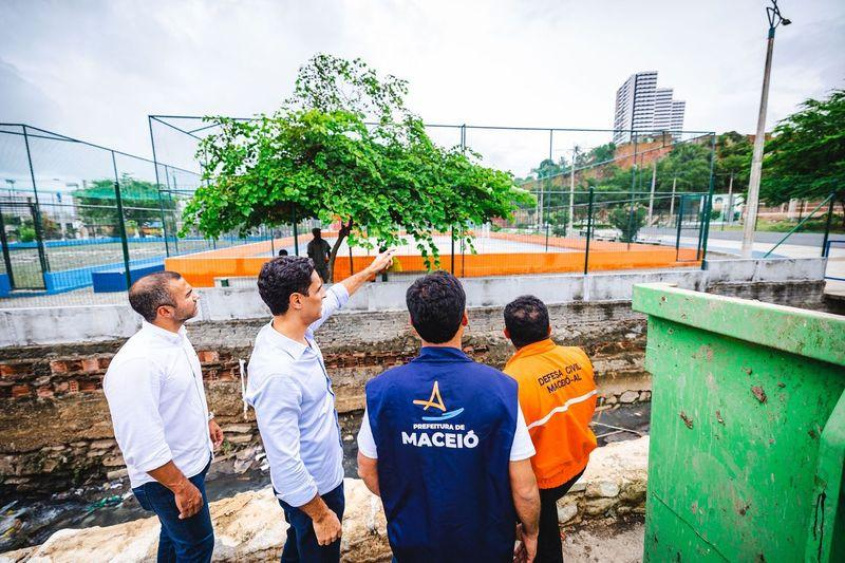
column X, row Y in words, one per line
column 457, row 437
column 436, row 401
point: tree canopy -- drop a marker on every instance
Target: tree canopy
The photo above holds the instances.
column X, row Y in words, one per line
column 345, row 148
column 96, row 204
column 805, row 157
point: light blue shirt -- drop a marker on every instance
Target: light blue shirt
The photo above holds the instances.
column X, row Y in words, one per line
column 294, row 404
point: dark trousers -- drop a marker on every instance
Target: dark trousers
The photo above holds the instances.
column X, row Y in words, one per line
column 190, row 540
column 549, row 549
column 301, row 544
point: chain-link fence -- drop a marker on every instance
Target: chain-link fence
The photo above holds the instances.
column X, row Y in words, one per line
column 650, row 198
column 80, row 222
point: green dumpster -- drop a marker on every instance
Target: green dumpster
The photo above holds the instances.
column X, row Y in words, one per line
column 747, row 429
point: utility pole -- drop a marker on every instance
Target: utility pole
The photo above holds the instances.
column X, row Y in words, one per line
column 775, row 19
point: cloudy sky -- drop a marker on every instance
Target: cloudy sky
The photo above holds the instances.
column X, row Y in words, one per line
column 96, row 69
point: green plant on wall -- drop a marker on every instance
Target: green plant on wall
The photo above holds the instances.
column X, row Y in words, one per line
column 344, row 148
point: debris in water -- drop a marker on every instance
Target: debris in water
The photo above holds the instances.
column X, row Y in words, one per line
column 687, row 420
column 759, row 393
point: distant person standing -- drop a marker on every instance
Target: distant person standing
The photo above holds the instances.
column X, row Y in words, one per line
column 557, row 393
column 319, row 251
column 283, row 252
column 161, row 420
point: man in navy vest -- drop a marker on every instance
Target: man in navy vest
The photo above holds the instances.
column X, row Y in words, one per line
column 444, row 443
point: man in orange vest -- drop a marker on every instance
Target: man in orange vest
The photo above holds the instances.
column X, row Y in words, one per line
column 557, row 394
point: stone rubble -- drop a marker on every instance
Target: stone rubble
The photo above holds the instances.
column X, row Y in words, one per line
column 250, row 526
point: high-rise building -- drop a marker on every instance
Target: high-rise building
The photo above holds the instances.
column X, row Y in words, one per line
column 642, row 106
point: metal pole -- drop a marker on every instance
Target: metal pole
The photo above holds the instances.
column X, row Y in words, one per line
column 730, row 202
column 121, row 222
column 680, row 223
column 759, row 141
column 672, row 201
column 709, row 201
column 295, row 234
column 547, row 237
column 651, row 195
column 589, row 230
column 708, row 205
column 36, row 214
column 827, row 225
column 572, row 191
column 799, row 225
column 7, row 259
column 158, row 187
column 452, row 260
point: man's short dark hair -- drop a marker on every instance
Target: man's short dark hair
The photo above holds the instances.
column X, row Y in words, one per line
column 316, row 232
column 282, row 277
column 283, row 252
column 527, row 320
column 151, row 292
column 437, row 303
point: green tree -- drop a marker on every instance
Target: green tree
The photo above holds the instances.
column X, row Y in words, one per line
column 96, row 204
column 805, row 157
column 627, row 221
column 345, row 147
column 733, row 162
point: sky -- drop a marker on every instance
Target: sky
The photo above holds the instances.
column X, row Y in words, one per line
column 94, row 70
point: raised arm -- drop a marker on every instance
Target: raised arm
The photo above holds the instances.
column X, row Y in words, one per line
column 339, row 293
column 381, row 262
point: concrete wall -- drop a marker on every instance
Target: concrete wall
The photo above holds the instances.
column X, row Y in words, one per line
column 23, row 327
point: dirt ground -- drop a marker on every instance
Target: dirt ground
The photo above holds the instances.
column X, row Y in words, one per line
column 619, row 543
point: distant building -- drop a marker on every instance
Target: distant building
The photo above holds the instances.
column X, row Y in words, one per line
column 642, row 106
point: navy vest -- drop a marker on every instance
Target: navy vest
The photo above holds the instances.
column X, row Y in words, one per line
column 443, row 427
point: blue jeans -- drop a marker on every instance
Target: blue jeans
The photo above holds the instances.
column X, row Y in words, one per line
column 301, row 544
column 190, row 540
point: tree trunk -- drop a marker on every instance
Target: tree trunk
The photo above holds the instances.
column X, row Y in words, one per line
column 345, row 229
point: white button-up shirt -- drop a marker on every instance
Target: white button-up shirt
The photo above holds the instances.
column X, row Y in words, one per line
column 157, row 401
column 294, row 404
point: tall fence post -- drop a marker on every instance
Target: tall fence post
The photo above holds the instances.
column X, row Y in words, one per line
column 36, row 214
column 708, row 206
column 7, row 259
column 589, row 230
column 158, row 187
column 825, row 249
column 452, row 259
column 709, row 202
column 121, row 222
column 295, row 234
column 680, row 226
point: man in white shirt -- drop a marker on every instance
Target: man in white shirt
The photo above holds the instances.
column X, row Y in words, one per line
column 294, row 404
column 161, row 420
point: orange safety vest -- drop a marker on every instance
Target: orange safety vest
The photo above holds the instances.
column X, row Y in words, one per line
column 557, row 393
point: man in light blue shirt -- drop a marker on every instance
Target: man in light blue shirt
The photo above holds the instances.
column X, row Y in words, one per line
column 294, row 404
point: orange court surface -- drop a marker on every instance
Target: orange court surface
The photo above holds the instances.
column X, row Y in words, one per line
column 497, row 254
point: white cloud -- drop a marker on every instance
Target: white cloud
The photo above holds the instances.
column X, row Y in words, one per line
column 96, row 69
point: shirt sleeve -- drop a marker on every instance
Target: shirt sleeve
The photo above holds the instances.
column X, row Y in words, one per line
column 522, row 447
column 278, row 410
column 366, row 441
column 133, row 390
column 336, row 297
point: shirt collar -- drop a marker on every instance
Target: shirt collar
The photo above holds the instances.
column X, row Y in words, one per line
column 539, row 347
column 441, row 354
column 158, row 332
column 292, row 347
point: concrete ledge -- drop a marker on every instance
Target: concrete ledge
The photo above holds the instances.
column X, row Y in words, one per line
column 21, row 327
